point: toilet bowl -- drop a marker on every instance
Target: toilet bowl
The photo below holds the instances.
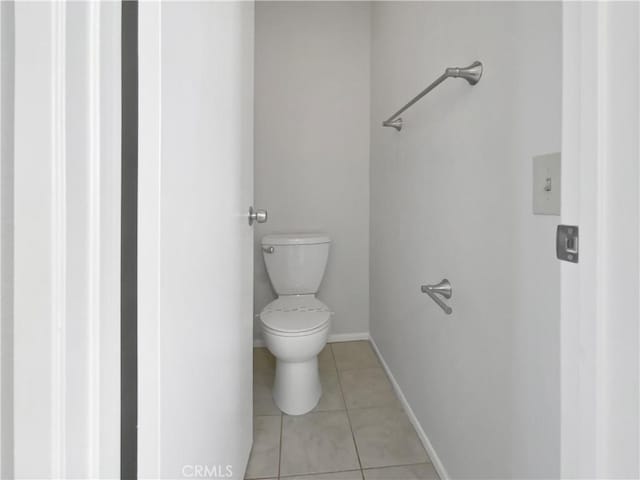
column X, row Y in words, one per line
column 295, row 336
column 295, row 326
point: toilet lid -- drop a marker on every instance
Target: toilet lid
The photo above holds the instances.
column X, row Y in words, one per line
column 295, row 314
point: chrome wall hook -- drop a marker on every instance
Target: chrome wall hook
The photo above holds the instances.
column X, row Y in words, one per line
column 443, row 289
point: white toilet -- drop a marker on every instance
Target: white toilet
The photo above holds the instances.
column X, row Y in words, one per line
column 295, row 326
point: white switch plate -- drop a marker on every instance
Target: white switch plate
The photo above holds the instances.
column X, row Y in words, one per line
column 546, row 184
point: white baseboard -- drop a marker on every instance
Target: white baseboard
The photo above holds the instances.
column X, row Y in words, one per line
column 348, row 337
column 437, row 464
column 333, row 338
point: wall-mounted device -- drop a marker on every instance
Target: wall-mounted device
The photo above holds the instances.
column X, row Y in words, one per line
column 546, row 184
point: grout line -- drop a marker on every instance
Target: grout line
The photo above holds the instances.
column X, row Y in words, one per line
column 280, row 446
column 353, row 436
column 361, row 470
column 379, row 367
column 311, row 475
column 398, row 465
column 335, row 366
column 346, row 410
column 333, row 356
column 388, row 407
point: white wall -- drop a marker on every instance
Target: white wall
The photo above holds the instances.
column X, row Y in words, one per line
column 312, row 143
column 451, row 197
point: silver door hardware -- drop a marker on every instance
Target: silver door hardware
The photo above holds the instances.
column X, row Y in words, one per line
column 567, row 243
column 444, row 289
column 268, row 249
column 259, row 216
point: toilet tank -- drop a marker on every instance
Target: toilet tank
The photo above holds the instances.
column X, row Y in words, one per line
column 296, row 262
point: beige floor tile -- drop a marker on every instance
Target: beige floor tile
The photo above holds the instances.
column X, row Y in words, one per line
column 325, row 359
column 263, row 403
column 263, row 360
column 331, row 393
column 350, row 355
column 351, row 475
column 385, row 437
column 265, row 454
column 367, row 387
column 421, row 471
column 318, row 442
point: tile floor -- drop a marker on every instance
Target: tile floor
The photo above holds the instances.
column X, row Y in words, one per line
column 358, row 430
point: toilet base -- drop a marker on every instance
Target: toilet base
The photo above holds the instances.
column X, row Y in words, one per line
column 297, row 388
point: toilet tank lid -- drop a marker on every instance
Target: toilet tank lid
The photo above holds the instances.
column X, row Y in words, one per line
column 295, row 239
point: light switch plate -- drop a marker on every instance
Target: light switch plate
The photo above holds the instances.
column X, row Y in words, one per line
column 546, row 184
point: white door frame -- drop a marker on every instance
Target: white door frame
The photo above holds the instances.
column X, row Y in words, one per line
column 6, row 236
column 67, row 240
column 601, row 194
column 149, row 170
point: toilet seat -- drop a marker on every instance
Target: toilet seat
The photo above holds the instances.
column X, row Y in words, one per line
column 295, row 315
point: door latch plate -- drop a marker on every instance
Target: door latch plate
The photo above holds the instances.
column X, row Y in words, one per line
column 567, row 243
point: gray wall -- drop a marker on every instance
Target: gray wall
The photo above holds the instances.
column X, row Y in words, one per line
column 452, row 198
column 312, row 143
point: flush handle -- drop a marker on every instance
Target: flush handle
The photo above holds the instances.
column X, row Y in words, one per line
column 259, row 216
column 268, row 249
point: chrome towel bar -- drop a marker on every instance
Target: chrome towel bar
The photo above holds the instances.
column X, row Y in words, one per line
column 471, row 74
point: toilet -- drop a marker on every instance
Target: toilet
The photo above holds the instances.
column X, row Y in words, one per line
column 295, row 326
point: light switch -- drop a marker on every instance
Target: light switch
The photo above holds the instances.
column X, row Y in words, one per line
column 546, row 184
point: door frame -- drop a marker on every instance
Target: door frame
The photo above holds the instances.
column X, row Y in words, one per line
column 66, row 343
column 600, row 301
column 149, row 234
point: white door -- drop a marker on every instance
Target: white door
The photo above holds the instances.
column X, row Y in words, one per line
column 601, row 194
column 195, row 261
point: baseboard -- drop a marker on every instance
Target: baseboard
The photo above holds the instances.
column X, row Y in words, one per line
column 348, row 337
column 437, row 464
column 333, row 338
